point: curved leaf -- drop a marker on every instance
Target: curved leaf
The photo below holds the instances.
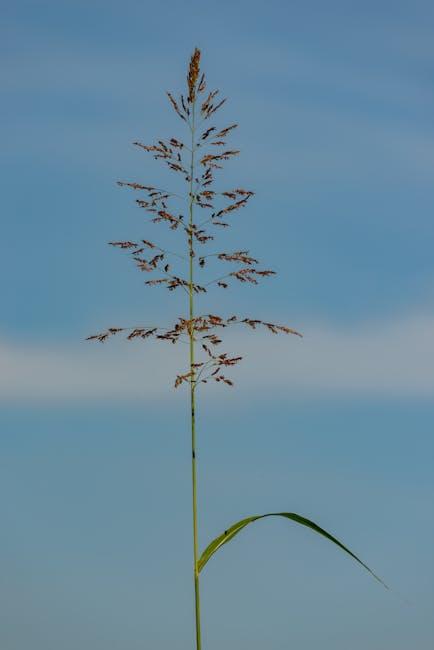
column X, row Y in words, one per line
column 238, row 527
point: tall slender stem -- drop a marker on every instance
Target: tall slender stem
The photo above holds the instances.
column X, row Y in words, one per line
column 192, row 388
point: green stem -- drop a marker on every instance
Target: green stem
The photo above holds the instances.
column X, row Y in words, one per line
column 192, row 393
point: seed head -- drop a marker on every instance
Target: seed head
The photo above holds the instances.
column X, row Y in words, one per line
column 193, row 74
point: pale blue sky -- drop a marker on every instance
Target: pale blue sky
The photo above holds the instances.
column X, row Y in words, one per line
column 335, row 106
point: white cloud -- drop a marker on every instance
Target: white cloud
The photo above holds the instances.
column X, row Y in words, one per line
column 392, row 358
column 380, row 359
column 84, row 371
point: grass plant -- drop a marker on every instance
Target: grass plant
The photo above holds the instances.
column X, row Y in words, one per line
column 206, row 209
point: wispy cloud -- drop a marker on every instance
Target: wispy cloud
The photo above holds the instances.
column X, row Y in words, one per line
column 379, row 359
column 343, row 119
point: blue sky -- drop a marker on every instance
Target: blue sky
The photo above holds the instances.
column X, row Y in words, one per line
column 335, row 106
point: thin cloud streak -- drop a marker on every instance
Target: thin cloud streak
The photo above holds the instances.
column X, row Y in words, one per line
column 394, row 146
column 379, row 359
column 390, row 359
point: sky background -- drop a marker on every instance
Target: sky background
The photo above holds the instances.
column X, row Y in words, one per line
column 335, row 104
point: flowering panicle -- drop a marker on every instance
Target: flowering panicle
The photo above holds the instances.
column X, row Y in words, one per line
column 197, row 164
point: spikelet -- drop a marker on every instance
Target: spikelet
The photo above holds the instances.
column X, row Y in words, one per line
column 193, row 74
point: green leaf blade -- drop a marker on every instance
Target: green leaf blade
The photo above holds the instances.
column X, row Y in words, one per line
column 236, row 528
